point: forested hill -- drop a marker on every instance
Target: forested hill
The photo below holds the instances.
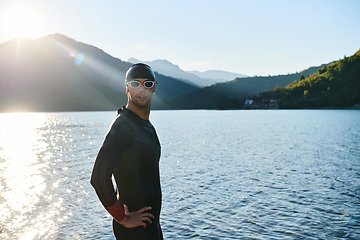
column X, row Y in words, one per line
column 240, row 88
column 57, row 73
column 336, row 86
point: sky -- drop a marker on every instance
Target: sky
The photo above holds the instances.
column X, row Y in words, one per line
column 258, row 37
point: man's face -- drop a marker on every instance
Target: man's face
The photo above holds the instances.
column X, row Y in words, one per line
column 140, row 97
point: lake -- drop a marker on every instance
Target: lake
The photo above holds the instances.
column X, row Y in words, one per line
column 255, row 174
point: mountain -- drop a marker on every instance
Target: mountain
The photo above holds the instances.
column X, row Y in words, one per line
column 57, row 73
column 219, row 75
column 168, row 69
column 335, row 86
column 199, row 78
column 239, row 88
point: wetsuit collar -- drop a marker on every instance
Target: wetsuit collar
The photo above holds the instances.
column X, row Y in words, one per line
column 133, row 115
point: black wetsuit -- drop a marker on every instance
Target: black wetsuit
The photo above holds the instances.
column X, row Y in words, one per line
column 131, row 153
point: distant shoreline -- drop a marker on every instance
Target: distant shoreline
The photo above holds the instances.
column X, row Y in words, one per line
column 245, row 109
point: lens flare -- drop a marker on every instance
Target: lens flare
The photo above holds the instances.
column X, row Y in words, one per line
column 78, row 58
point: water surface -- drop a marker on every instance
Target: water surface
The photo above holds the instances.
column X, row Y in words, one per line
column 282, row 174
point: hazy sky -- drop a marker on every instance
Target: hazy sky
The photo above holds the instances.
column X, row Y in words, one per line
column 254, row 37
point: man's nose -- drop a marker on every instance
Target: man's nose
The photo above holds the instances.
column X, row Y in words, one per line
column 142, row 87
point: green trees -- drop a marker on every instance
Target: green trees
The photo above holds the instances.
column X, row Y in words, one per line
column 336, row 85
column 225, row 102
column 322, row 70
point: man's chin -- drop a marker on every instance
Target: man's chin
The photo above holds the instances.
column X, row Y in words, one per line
column 142, row 104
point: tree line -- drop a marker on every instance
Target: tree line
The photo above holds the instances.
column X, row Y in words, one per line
column 336, row 85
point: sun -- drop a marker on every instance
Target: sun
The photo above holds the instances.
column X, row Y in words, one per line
column 18, row 21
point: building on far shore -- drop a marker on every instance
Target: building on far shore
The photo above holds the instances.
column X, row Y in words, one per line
column 266, row 103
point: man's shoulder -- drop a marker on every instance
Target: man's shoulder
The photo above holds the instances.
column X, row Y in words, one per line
column 121, row 119
column 120, row 128
column 124, row 119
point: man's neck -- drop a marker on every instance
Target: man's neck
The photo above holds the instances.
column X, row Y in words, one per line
column 144, row 113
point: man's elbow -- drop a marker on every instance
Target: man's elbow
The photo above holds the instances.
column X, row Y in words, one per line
column 93, row 181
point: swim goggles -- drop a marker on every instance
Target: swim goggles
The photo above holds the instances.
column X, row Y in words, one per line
column 137, row 84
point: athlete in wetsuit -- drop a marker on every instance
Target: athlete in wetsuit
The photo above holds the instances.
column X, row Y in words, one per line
column 131, row 153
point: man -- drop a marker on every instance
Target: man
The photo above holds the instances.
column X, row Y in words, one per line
column 131, row 153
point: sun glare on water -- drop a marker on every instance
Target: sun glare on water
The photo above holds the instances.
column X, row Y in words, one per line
column 21, row 175
column 18, row 21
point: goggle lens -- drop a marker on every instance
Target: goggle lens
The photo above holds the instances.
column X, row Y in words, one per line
column 146, row 84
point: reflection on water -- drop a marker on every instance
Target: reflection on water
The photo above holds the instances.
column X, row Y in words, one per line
column 45, row 164
column 27, row 208
column 21, row 181
column 233, row 174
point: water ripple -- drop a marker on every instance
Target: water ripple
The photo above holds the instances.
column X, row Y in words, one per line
column 224, row 174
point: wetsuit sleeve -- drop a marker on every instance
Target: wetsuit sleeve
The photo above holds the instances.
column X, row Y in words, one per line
column 117, row 140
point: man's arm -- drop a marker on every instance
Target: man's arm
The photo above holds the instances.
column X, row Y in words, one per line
column 104, row 188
